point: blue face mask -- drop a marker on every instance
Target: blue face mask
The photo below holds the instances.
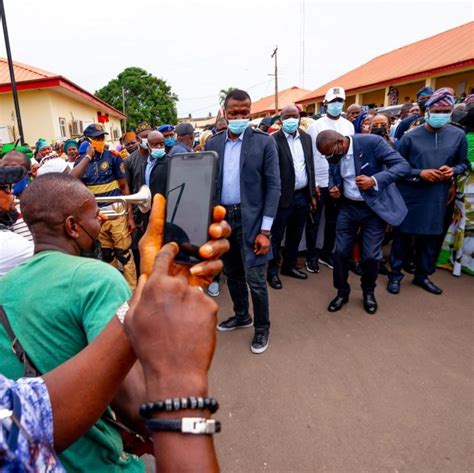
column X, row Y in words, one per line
column 157, row 153
column 437, row 120
column 144, row 143
column 335, row 108
column 169, row 142
column 238, row 126
column 290, row 125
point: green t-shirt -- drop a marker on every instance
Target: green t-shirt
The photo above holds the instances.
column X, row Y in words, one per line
column 57, row 304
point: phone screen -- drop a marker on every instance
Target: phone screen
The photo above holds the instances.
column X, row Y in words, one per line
column 189, row 194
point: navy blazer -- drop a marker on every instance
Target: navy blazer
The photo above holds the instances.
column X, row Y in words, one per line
column 259, row 184
column 373, row 156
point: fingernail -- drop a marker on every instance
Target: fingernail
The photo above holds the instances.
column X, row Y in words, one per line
column 206, row 249
column 176, row 245
column 194, row 270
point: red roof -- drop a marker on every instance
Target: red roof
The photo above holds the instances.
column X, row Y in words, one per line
column 445, row 51
column 285, row 97
column 29, row 77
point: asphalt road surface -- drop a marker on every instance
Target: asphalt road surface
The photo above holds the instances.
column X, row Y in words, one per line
column 350, row 392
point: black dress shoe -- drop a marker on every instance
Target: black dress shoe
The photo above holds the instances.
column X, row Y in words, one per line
column 370, row 304
column 337, row 303
column 393, row 287
column 274, row 281
column 294, row 273
column 428, row 285
column 409, row 267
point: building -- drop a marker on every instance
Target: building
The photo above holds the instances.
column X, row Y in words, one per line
column 266, row 107
column 52, row 107
column 199, row 123
column 443, row 60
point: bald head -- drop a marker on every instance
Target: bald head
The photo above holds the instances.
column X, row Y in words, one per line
column 16, row 158
column 327, row 137
column 51, row 198
column 353, row 111
column 290, row 111
column 155, row 139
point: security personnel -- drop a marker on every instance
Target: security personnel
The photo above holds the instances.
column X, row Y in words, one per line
column 168, row 132
column 104, row 175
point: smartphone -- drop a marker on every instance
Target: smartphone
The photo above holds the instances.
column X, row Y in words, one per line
column 189, row 196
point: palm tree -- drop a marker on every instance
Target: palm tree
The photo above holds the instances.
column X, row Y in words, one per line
column 223, row 94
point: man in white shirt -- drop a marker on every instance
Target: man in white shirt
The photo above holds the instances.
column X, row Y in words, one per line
column 334, row 103
column 298, row 195
column 14, row 249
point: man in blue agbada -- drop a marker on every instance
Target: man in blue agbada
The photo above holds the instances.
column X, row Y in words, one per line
column 437, row 152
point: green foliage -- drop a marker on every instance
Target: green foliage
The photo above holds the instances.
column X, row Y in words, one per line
column 147, row 98
column 223, row 94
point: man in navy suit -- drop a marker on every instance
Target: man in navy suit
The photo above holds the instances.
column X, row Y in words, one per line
column 362, row 173
column 248, row 185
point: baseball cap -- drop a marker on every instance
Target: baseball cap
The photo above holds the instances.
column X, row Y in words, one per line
column 94, row 130
column 335, row 93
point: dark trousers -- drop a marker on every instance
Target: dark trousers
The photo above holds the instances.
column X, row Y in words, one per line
column 330, row 207
column 240, row 278
column 426, row 252
column 292, row 219
column 354, row 215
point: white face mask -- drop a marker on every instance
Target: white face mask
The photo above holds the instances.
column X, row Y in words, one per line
column 144, row 143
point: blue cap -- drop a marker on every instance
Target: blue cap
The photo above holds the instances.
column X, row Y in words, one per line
column 163, row 128
column 94, row 130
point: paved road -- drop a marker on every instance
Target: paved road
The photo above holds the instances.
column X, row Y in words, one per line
column 349, row 392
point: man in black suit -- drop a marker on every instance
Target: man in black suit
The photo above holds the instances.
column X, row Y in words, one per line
column 248, row 185
column 298, row 195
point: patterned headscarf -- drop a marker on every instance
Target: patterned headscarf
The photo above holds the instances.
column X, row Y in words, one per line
column 424, row 92
column 142, row 127
column 443, row 97
column 358, row 122
column 70, row 143
column 40, row 144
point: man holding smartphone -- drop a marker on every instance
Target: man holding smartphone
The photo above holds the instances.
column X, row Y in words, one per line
column 248, row 185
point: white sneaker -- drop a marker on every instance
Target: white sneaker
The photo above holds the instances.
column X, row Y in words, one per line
column 213, row 289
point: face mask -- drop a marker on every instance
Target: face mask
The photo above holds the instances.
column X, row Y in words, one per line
column 335, row 157
column 335, row 108
column 290, row 125
column 169, row 142
column 91, row 251
column 157, row 153
column 238, row 126
column 98, row 145
column 380, row 131
column 144, row 143
column 437, row 120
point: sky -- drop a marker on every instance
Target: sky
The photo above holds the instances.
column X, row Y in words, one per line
column 201, row 47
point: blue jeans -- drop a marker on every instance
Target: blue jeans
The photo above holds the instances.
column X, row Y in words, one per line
column 240, row 278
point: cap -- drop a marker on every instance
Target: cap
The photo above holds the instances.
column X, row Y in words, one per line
column 166, row 127
column 11, row 174
column 335, row 93
column 94, row 130
column 183, row 129
column 267, row 121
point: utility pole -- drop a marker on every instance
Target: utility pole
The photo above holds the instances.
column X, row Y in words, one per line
column 12, row 73
column 276, row 77
column 123, row 109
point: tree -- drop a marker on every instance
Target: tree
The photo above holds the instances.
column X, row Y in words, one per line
column 147, row 98
column 223, row 94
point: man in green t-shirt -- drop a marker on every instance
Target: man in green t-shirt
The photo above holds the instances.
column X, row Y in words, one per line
column 58, row 302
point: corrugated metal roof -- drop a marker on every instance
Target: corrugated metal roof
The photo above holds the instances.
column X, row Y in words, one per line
column 285, row 97
column 450, row 47
column 23, row 72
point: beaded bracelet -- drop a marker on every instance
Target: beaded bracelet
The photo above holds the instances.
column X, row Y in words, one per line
column 177, row 404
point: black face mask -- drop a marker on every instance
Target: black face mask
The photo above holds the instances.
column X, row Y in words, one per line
column 381, row 131
column 94, row 251
column 335, row 157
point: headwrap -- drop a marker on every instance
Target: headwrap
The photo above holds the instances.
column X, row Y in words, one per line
column 22, row 149
column 166, row 127
column 443, row 97
column 40, row 144
column 424, row 92
column 70, row 143
column 205, row 135
column 142, row 127
column 469, row 99
column 129, row 136
column 53, row 165
column 358, row 122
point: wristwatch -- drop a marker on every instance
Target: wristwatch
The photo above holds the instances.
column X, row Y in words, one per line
column 186, row 425
column 267, row 233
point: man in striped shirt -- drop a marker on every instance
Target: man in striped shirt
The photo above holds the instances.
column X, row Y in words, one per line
column 104, row 175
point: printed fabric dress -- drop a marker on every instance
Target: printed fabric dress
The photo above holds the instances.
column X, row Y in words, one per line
column 457, row 252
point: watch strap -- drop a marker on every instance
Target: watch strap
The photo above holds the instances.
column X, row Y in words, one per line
column 186, row 425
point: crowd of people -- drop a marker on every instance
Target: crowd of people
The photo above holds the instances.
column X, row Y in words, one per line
column 339, row 186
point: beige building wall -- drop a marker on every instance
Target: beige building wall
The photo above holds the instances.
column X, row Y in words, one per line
column 41, row 111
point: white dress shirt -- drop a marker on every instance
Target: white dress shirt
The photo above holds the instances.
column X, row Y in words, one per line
column 321, row 166
column 299, row 163
column 14, row 249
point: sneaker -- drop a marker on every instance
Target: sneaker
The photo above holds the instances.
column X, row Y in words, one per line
column 312, row 266
column 213, row 289
column 327, row 261
column 259, row 342
column 233, row 323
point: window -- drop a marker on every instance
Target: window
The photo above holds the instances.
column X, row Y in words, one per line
column 62, row 127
